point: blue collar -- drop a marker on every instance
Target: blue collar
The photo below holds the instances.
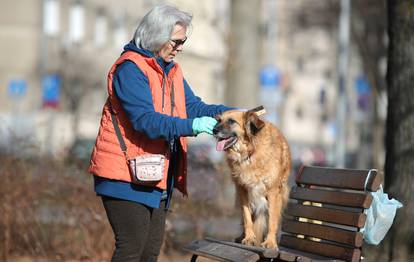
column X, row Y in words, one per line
column 164, row 65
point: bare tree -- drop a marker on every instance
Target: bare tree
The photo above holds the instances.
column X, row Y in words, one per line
column 399, row 166
column 368, row 39
column 80, row 75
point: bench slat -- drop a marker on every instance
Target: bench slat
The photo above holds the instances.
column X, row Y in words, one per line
column 287, row 256
column 349, row 199
column 262, row 252
column 338, row 178
column 327, row 215
column 305, row 256
column 220, row 252
column 324, row 249
column 347, row 237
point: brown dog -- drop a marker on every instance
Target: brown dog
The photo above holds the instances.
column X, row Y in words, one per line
column 259, row 159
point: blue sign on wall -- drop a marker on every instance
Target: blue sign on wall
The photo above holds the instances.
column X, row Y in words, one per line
column 364, row 92
column 51, row 90
column 362, row 85
column 17, row 88
column 269, row 77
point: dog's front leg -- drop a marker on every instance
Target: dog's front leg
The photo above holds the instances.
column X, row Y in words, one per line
column 249, row 236
column 275, row 207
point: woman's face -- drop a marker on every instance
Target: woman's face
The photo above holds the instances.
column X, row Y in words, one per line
column 174, row 45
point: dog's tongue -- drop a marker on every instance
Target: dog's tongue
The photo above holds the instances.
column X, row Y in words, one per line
column 221, row 143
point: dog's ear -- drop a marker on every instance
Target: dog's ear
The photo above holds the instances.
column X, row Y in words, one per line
column 252, row 123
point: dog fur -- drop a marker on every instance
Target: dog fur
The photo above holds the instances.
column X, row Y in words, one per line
column 260, row 163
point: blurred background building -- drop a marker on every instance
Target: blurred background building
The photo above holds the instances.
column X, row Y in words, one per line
column 55, row 55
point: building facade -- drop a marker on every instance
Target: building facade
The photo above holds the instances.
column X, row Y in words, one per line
column 55, row 55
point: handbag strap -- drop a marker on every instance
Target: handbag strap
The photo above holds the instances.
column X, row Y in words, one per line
column 118, row 134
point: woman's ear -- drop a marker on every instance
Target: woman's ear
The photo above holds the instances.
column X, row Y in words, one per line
column 252, row 123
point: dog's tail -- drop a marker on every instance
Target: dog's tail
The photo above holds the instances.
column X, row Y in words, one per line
column 260, row 226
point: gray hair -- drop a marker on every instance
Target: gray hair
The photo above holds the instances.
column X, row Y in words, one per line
column 157, row 25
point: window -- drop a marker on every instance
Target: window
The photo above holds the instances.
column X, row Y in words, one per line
column 76, row 23
column 101, row 29
column 51, row 17
column 120, row 34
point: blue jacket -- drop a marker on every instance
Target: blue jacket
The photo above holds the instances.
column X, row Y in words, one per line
column 132, row 89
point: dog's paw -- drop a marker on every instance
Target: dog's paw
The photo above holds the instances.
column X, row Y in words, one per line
column 269, row 243
column 249, row 241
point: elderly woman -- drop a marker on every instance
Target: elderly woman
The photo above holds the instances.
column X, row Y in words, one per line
column 149, row 111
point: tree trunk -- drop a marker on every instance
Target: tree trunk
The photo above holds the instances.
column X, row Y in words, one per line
column 399, row 165
column 243, row 64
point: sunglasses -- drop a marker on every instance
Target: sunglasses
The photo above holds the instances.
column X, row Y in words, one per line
column 178, row 42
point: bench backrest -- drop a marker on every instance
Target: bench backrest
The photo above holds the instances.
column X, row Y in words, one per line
column 326, row 211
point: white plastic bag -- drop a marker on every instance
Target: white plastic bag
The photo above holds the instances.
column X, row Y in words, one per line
column 379, row 217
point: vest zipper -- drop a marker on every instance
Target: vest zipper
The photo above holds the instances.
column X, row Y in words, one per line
column 172, row 98
column 171, row 92
column 163, row 90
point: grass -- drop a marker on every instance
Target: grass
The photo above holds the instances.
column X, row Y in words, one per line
column 49, row 211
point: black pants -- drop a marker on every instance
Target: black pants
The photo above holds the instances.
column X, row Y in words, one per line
column 138, row 229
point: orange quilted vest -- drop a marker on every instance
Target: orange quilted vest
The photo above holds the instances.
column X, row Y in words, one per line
column 107, row 158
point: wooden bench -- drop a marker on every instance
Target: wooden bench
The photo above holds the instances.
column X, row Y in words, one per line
column 321, row 222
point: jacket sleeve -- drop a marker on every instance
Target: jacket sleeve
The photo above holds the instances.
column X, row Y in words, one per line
column 131, row 86
column 197, row 108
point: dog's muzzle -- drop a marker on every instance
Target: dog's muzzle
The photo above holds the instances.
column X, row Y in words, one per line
column 224, row 141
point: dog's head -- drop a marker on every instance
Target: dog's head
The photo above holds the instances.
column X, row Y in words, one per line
column 236, row 126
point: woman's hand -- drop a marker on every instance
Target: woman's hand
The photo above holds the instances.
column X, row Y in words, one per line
column 204, row 124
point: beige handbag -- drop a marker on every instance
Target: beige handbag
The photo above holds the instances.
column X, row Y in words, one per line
column 147, row 169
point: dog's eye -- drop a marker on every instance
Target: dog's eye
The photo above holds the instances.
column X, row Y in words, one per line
column 231, row 121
